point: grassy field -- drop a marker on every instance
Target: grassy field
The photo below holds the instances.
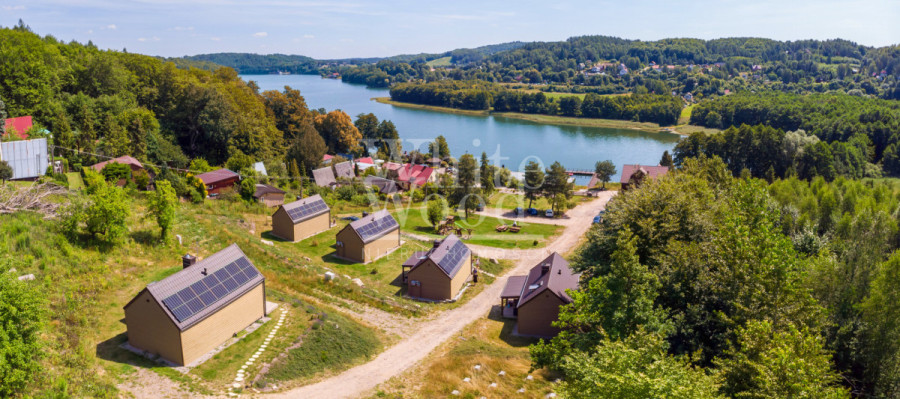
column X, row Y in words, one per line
column 487, row 344
column 512, row 201
column 484, row 232
column 387, row 100
column 685, row 116
column 439, row 62
column 75, row 180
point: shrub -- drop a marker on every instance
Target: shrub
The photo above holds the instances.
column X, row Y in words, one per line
column 248, row 188
column 22, row 317
column 113, row 172
column 141, row 179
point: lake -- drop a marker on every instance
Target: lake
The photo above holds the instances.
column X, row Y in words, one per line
column 507, row 141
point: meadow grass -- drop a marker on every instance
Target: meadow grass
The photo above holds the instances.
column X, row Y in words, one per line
column 439, row 62
column 483, row 230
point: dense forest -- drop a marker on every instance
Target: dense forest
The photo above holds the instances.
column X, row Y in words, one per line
column 258, row 64
column 703, row 67
column 475, row 95
column 703, row 285
column 101, row 104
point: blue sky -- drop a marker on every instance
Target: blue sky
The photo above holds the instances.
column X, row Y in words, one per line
column 364, row 28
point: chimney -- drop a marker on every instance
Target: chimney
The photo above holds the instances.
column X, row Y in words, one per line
column 188, row 261
column 437, row 243
column 365, row 213
column 545, row 268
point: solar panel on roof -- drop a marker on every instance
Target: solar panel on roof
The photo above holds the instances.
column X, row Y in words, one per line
column 454, row 255
column 312, row 208
column 376, row 227
column 205, row 292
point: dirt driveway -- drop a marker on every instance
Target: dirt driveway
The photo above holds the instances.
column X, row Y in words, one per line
column 431, row 333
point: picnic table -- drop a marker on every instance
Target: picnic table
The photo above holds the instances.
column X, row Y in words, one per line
column 501, row 228
column 514, row 229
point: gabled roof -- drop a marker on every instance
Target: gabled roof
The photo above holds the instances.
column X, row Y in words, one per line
column 652, row 172
column 374, row 226
column 391, row 166
column 20, row 125
column 306, row 208
column 263, row 189
column 217, row 176
column 513, row 287
column 196, row 292
column 416, row 174
column 385, row 186
column 344, row 170
column 365, row 160
column 557, row 279
column 125, row 159
column 27, row 158
column 324, row 177
column 449, row 255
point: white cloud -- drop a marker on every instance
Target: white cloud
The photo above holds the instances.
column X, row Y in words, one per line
column 215, row 39
column 13, row 8
column 152, row 39
column 309, row 37
column 260, row 34
column 90, row 31
column 111, row 27
column 183, row 28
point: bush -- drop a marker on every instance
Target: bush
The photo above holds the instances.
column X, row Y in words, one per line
column 22, row 317
column 113, row 172
column 141, row 179
column 248, row 188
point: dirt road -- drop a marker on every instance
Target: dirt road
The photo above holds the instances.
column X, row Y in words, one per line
column 412, row 349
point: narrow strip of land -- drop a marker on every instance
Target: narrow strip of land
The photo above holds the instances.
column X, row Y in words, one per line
column 430, row 334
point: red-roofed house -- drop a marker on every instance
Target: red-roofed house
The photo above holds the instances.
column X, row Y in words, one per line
column 219, row 181
column 365, row 160
column 327, row 158
column 127, row 160
column 411, row 176
column 652, row 172
column 19, row 125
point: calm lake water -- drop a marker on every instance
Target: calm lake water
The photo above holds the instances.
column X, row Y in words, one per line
column 509, row 142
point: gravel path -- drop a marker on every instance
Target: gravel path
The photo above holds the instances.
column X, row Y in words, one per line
column 405, row 354
column 427, row 334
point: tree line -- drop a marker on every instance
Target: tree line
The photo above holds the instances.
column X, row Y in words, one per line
column 699, row 284
column 663, row 109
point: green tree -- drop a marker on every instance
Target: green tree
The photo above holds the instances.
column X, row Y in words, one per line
column 199, row 165
column 115, row 139
column 2, row 118
column 140, row 123
column 439, row 148
column 881, row 315
column 437, row 210
column 23, row 315
column 162, row 206
column 107, row 213
column 466, row 178
column 238, row 161
column 605, row 170
column 487, row 175
column 666, row 160
column 367, row 124
column 248, row 188
column 534, row 181
column 6, row 171
column 557, row 184
column 308, row 149
column 113, row 172
column 340, row 135
column 634, row 368
column 766, row 363
column 141, row 179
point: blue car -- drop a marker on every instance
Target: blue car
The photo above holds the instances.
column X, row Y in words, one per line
column 532, row 211
column 597, row 219
column 350, row 218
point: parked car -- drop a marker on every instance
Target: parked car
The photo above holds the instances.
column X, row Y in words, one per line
column 519, row 211
column 597, row 219
column 532, row 211
column 548, row 213
column 350, row 218
column 479, row 207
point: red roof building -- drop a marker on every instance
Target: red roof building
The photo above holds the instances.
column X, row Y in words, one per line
column 19, row 125
column 411, row 176
column 365, row 160
column 219, row 181
column 652, row 172
column 127, row 160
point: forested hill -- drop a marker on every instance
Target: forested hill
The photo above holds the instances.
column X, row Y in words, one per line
column 259, row 64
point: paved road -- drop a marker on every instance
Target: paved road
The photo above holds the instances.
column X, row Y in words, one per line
column 430, row 334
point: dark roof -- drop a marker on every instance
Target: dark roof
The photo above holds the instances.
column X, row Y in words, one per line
column 217, row 176
column 263, row 189
column 513, row 287
column 449, row 255
column 416, row 258
column 374, row 226
column 651, row 171
column 306, row 208
column 190, row 295
column 344, row 170
column 324, row 177
column 558, row 279
column 385, row 186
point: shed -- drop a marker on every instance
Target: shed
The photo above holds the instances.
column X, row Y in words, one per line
column 27, row 158
column 324, row 177
column 368, row 238
column 269, row 195
column 541, row 293
column 186, row 315
column 652, row 172
column 440, row 273
column 344, row 170
column 219, row 181
column 301, row 219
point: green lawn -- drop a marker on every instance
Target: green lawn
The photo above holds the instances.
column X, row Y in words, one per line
column 75, row 180
column 508, row 201
column 484, row 232
column 439, row 62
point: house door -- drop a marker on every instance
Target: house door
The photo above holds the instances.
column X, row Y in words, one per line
column 415, row 288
